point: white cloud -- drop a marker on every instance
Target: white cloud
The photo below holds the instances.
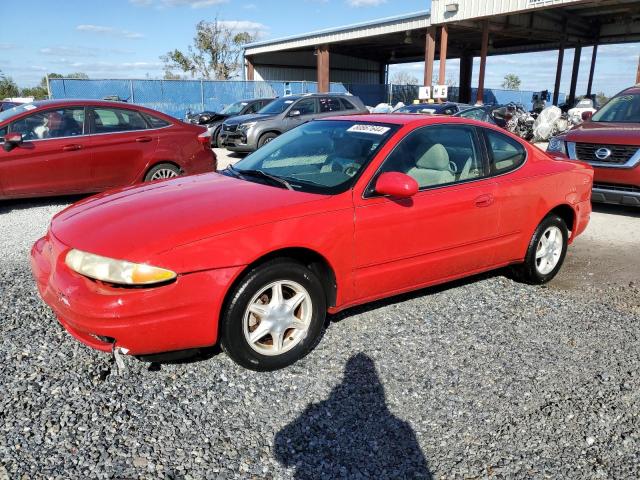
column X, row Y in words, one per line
column 178, row 3
column 101, row 29
column 365, row 3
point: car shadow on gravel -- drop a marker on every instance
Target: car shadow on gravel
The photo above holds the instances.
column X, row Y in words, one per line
column 633, row 212
column 352, row 434
column 7, row 206
column 423, row 292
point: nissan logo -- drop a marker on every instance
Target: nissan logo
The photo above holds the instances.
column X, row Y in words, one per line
column 602, row 153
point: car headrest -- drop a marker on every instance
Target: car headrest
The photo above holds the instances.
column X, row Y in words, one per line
column 435, row 158
column 54, row 120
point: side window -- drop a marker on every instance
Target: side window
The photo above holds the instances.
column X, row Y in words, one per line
column 506, row 153
column 110, row 120
column 255, row 107
column 156, row 122
column 306, row 106
column 64, row 122
column 347, row 105
column 3, row 132
column 329, row 104
column 437, row 155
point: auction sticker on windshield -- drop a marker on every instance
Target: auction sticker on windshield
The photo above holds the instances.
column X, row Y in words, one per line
column 367, row 128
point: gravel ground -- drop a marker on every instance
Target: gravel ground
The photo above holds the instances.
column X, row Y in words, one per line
column 484, row 378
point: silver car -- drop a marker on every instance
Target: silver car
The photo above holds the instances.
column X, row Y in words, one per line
column 247, row 133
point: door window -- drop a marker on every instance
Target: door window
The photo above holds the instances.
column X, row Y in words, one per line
column 156, row 122
column 63, row 122
column 306, row 106
column 347, row 105
column 328, row 104
column 506, row 153
column 437, row 155
column 110, row 120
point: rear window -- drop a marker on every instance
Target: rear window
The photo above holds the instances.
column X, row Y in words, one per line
column 156, row 122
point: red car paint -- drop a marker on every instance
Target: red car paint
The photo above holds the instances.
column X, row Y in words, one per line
column 92, row 162
column 613, row 183
column 210, row 228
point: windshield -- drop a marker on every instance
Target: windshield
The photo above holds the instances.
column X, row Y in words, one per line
column 324, row 156
column 12, row 112
column 476, row 113
column 416, row 109
column 279, row 105
column 234, row 108
column 622, row 109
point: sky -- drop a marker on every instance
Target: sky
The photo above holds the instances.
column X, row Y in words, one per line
column 125, row 38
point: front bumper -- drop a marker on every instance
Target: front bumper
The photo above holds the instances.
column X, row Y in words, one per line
column 237, row 141
column 177, row 316
column 617, row 194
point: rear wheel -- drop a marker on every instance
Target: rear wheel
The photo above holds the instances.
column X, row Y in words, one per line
column 162, row 171
column 274, row 317
column 546, row 252
column 266, row 138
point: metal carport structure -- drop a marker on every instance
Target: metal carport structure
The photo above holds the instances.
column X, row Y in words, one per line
column 464, row 29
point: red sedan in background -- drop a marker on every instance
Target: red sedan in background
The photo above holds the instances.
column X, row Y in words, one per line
column 610, row 142
column 58, row 147
column 331, row 214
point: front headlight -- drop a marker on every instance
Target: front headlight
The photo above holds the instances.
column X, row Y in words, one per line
column 246, row 126
column 556, row 145
column 116, row 271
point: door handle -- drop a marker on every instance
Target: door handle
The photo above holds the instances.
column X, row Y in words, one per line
column 484, row 201
column 71, row 148
column 143, row 139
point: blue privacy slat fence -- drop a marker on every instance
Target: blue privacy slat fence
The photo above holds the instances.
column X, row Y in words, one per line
column 177, row 97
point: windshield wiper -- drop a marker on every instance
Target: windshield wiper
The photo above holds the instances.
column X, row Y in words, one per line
column 259, row 173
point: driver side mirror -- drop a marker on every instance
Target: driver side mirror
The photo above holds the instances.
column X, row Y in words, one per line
column 587, row 116
column 396, row 184
column 11, row 141
column 295, row 113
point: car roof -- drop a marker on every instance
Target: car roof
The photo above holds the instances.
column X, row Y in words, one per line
column 633, row 90
column 403, row 119
column 82, row 101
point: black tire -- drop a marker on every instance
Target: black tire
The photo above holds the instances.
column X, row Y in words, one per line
column 215, row 138
column 266, row 138
column 530, row 271
column 159, row 169
column 233, row 339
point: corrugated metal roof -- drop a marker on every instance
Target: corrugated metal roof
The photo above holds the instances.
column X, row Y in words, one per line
column 409, row 21
column 469, row 9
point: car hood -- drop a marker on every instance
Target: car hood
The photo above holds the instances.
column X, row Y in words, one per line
column 140, row 223
column 253, row 117
column 605, row 133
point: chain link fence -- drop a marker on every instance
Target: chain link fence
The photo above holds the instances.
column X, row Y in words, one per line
column 177, row 97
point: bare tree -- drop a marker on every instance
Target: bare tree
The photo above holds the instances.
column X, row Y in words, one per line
column 216, row 52
column 403, row 77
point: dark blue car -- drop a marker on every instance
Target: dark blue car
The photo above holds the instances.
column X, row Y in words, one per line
column 447, row 108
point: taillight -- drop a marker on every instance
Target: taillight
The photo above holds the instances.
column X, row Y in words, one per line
column 205, row 139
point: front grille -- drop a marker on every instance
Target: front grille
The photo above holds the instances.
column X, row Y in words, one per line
column 620, row 154
column 617, row 188
column 229, row 128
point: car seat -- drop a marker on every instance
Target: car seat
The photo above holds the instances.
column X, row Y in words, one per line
column 433, row 168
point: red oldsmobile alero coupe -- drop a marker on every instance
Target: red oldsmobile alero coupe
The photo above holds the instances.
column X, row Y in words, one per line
column 60, row 147
column 334, row 213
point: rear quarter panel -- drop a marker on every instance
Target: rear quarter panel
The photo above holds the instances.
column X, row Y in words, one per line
column 528, row 194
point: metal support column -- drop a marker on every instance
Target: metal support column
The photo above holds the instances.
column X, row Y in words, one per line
column 483, row 62
column 250, row 70
column 444, row 42
column 574, row 75
column 556, row 89
column 323, row 68
column 594, row 56
column 429, row 55
column 466, row 75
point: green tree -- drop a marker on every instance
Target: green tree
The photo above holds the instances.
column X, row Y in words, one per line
column 216, row 52
column 41, row 91
column 511, row 82
column 601, row 98
column 8, row 87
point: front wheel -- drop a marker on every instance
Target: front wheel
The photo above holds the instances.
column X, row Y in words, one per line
column 266, row 138
column 546, row 252
column 274, row 317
